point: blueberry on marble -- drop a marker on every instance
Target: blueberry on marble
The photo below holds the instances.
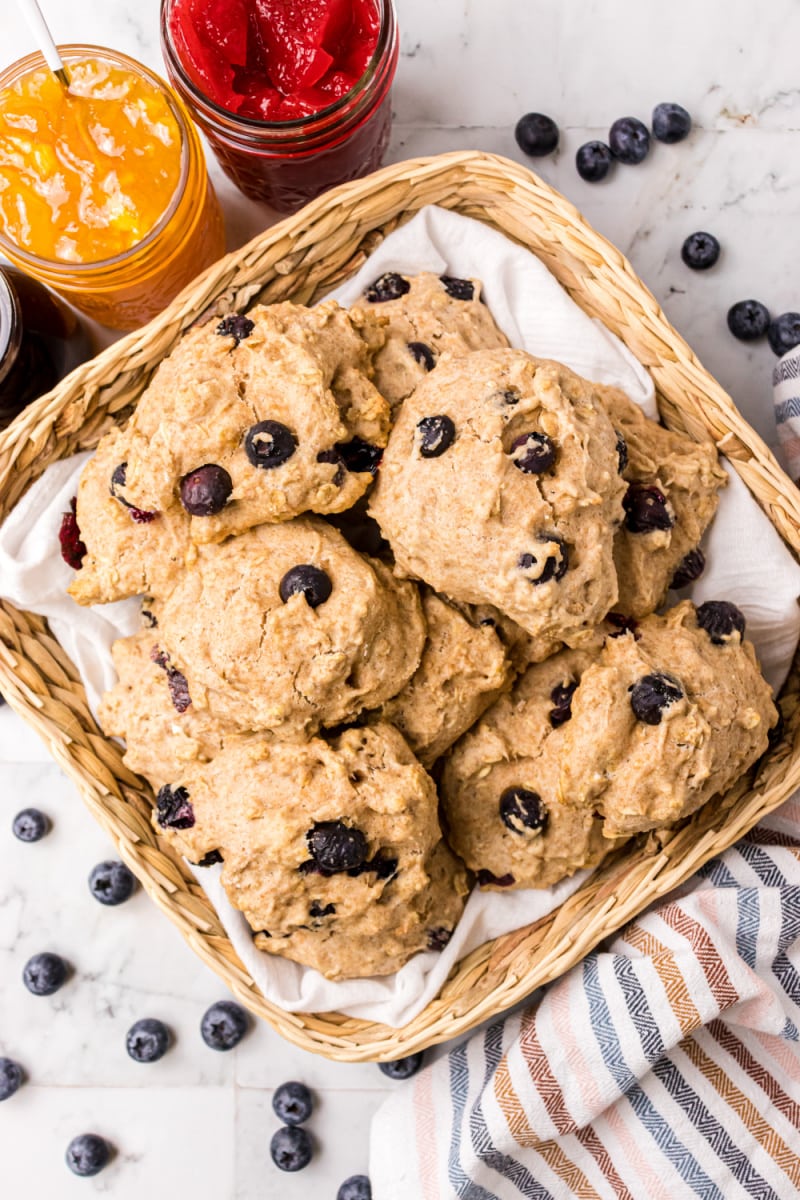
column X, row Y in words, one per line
column 147, row 1040
column 748, row 320
column 783, row 333
column 629, row 140
column 561, row 699
column 521, row 809
column 671, row 123
column 204, row 492
column 593, row 161
column 11, row 1077
column 651, row 695
column 622, row 452
column 174, row 808
column 700, row 251
column 292, row 1103
column 87, row 1154
column 458, row 289
column 536, row 134
column 690, row 567
column 235, row 325
column 554, row 567
column 269, row 444
column 436, row 434
column 389, row 286
column 356, row 1187
column 646, row 509
column 111, row 882
column 533, row 453
column 223, row 1025
column 336, row 847
column 359, row 456
column 44, row 974
column 422, row 354
column 720, row 619
column 291, row 1148
column 308, row 580
column 402, row 1068
column 30, row 825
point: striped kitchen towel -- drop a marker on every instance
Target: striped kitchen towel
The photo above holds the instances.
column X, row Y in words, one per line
column 786, row 392
column 665, row 1065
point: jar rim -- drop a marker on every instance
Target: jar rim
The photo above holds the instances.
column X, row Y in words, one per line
column 75, row 52
column 254, row 125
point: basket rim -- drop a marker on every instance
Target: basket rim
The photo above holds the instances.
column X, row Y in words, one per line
column 335, row 1034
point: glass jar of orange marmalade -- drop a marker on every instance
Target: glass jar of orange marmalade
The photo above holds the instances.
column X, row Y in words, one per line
column 104, row 193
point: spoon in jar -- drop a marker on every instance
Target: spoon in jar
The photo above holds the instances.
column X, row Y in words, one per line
column 38, row 27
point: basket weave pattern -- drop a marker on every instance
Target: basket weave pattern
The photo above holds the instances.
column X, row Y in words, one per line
column 300, row 259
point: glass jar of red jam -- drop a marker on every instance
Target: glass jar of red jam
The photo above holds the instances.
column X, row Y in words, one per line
column 41, row 340
column 104, row 193
column 286, row 117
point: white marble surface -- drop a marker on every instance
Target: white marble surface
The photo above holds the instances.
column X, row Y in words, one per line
column 199, row 1123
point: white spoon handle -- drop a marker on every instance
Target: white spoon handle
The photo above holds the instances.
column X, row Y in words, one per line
column 44, row 39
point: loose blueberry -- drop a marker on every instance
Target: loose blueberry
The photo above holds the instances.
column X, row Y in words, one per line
column 629, row 140
column 10, row 1078
column 336, row 847
column 646, row 509
column 622, row 452
column 317, row 911
column 488, row 878
column 174, row 808
column 458, row 289
column 561, row 699
column 205, row 491
column 533, row 453
column 439, row 937
column 111, row 882
column 536, row 134
column 30, row 825
column 223, row 1025
column 359, row 456
column 210, row 860
column 147, row 1040
column 235, row 325
column 700, row 251
column 422, row 354
column 748, row 320
column 44, row 974
column 312, row 582
column 721, row 620
column 87, row 1154
column 554, row 568
column 593, row 161
column 142, row 516
column 73, row 549
column 437, row 434
column 783, row 333
column 522, row 809
column 291, row 1148
column 357, row 1187
column 390, row 286
column 269, row 444
column 292, row 1103
column 651, row 695
column 402, row 1068
column 689, row 568
column 671, row 123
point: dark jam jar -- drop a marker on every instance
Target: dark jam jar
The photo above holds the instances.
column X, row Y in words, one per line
column 287, row 162
column 41, row 340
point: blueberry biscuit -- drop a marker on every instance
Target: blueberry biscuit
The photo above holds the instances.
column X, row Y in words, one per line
column 673, row 485
column 501, row 485
column 428, row 316
column 332, row 851
column 287, row 628
column 673, row 711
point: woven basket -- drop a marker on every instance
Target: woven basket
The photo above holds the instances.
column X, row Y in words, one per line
column 298, row 260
